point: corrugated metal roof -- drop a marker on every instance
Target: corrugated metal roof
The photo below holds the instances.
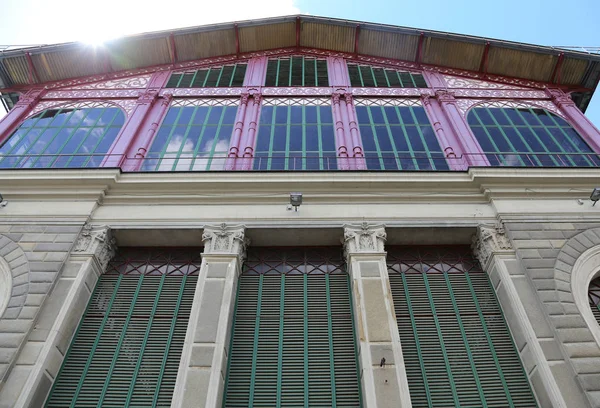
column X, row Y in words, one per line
column 70, row 60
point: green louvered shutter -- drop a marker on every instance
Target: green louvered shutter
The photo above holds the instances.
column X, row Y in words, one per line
column 456, row 345
column 293, row 341
column 127, row 348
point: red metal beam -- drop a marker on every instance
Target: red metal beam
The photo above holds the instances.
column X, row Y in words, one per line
column 419, row 53
column 174, row 57
column 32, row 72
column 356, row 38
column 298, row 32
column 484, row 58
column 237, row 39
column 555, row 78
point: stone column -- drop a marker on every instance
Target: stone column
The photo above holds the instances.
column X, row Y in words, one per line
column 383, row 376
column 203, row 365
column 461, row 129
column 62, row 311
column 497, row 257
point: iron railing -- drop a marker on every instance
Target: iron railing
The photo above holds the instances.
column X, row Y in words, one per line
column 380, row 161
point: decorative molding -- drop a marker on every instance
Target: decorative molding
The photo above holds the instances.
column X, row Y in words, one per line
column 389, row 91
column 96, row 241
column 458, row 82
column 364, row 238
column 465, row 105
column 293, row 91
column 225, row 239
column 387, row 102
column 205, row 102
column 125, row 104
column 140, row 81
column 297, row 101
column 488, row 240
column 501, row 93
column 202, row 91
column 93, row 94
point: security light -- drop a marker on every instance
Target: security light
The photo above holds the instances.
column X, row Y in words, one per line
column 595, row 195
column 2, row 202
column 295, row 200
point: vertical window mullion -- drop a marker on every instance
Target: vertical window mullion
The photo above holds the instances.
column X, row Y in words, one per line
column 164, row 148
column 403, row 126
column 232, row 75
column 274, row 125
column 490, row 138
column 489, row 340
column 316, row 80
column 535, row 134
column 373, row 76
column 278, row 70
column 303, row 74
column 200, row 137
column 85, row 137
column 375, row 137
column 124, row 330
column 330, row 335
column 362, row 82
column 465, row 341
column 418, row 127
column 304, row 150
column 440, row 336
column 219, row 77
column 96, row 343
column 255, row 342
column 145, row 340
column 288, row 134
column 566, row 137
column 280, row 343
column 505, row 136
column 413, row 323
column 214, row 142
column 516, row 128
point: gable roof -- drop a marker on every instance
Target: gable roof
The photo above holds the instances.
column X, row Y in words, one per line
column 577, row 71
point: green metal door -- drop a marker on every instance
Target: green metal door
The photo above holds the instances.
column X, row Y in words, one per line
column 293, row 341
column 458, row 351
column 127, row 348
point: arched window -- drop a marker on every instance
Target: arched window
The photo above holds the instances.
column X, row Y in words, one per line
column 529, row 137
column 594, row 297
column 63, row 137
column 396, row 135
column 194, row 136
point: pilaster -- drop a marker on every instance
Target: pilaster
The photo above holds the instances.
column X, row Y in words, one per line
column 138, row 132
column 576, row 118
column 340, row 133
column 203, row 366
column 234, row 146
column 19, row 112
column 383, row 376
column 449, row 147
column 459, row 127
column 496, row 255
column 62, row 312
column 248, row 134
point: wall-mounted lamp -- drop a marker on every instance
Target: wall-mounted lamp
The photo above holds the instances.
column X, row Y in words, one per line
column 595, row 196
column 2, row 201
column 295, row 200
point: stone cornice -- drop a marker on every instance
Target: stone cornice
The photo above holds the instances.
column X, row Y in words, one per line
column 475, row 185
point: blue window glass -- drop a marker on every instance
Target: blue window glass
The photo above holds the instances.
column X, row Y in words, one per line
column 398, row 138
column 66, row 137
column 193, row 138
column 529, row 137
column 295, row 136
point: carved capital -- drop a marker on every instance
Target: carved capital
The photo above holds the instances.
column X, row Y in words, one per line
column 244, row 99
column 560, row 98
column 426, row 99
column 364, row 238
column 349, row 99
column 489, row 240
column 147, row 97
column 336, row 97
column 225, row 240
column 256, row 97
column 96, row 241
column 444, row 95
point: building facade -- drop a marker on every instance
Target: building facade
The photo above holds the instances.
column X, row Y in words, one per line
column 445, row 252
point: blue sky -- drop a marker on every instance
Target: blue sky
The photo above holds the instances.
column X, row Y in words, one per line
column 542, row 22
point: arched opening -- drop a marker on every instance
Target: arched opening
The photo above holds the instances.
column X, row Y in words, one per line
column 529, row 137
column 63, row 137
column 5, row 285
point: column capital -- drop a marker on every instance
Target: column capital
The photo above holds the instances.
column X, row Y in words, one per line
column 364, row 238
column 489, row 240
column 443, row 95
column 148, row 96
column 560, row 98
column 225, row 239
column 96, row 241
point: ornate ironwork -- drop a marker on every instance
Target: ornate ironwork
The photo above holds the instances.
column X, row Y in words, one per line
column 155, row 261
column 387, row 102
column 294, row 261
column 432, row 259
